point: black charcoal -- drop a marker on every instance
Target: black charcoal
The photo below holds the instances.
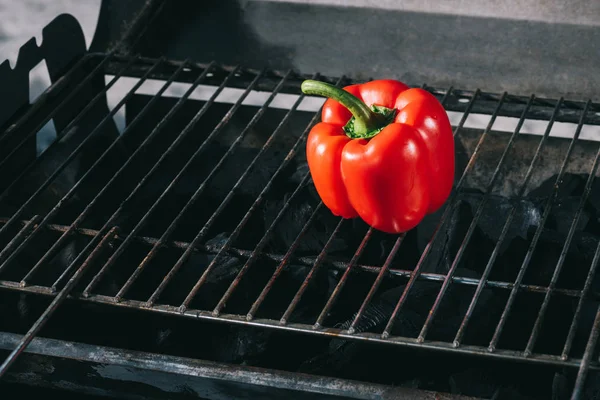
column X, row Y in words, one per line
column 444, row 248
column 342, row 353
column 291, row 224
column 495, row 212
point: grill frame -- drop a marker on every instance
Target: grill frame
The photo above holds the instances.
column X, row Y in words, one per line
column 108, row 235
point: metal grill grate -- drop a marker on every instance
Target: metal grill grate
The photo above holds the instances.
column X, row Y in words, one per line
column 36, row 239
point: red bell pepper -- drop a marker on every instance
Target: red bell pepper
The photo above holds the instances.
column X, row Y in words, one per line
column 383, row 152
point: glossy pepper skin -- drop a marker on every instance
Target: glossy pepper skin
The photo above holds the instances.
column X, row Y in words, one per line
column 391, row 164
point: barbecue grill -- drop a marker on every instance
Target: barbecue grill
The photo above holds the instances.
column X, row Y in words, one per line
column 167, row 242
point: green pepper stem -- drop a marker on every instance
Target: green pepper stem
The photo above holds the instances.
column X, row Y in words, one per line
column 365, row 119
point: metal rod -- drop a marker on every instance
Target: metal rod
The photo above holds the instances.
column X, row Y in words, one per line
column 72, row 124
column 563, row 255
column 538, row 232
column 286, row 259
column 474, row 222
column 488, row 268
column 343, row 279
column 4, row 254
column 62, row 295
column 148, row 174
column 263, row 242
column 217, row 129
column 584, row 295
column 214, row 171
column 62, row 240
column 378, row 280
column 267, row 144
column 242, row 223
column 333, row 263
column 330, row 332
column 157, row 165
column 587, row 358
column 450, row 205
column 313, row 271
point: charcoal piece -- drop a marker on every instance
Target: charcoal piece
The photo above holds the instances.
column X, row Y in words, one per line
column 226, row 266
column 567, row 202
column 342, row 354
column 563, row 214
column 236, row 165
column 576, row 265
column 528, row 213
column 312, row 301
column 222, row 274
column 300, row 210
column 444, row 248
column 300, row 172
column 569, row 185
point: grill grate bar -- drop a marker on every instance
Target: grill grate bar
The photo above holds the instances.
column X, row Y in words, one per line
column 340, row 285
column 41, row 100
column 284, row 262
column 161, row 242
column 7, row 251
column 340, row 265
column 214, row 171
column 450, row 205
column 475, row 221
column 105, row 233
column 201, row 188
column 540, row 318
column 563, row 255
column 227, row 245
column 382, row 272
column 584, row 295
column 267, row 235
column 70, row 126
column 587, row 358
column 62, row 295
column 318, row 262
column 332, row 332
column 538, row 232
column 181, row 136
column 233, row 146
column 488, row 268
column 61, row 241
